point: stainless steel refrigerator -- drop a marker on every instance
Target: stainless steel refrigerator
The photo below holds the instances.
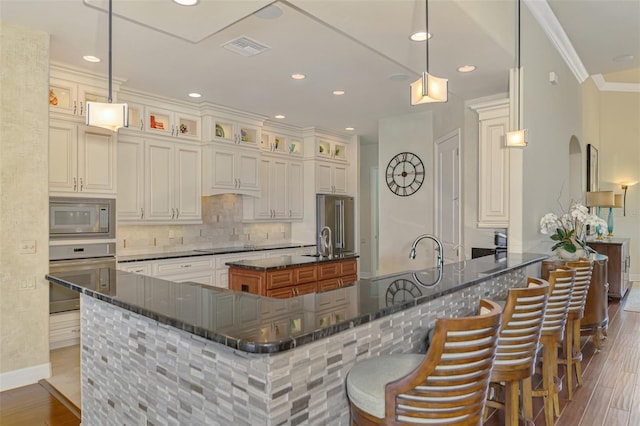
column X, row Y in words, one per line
column 338, row 213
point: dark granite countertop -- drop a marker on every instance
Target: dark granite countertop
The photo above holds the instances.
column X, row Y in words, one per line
column 208, row 252
column 258, row 324
column 283, row 262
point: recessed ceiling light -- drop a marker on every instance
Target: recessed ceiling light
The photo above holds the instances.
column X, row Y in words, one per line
column 466, row 68
column 349, row 128
column 279, row 116
column 419, row 36
column 91, row 58
column 338, row 92
column 298, row 76
column 194, row 95
column 186, row 2
column 398, row 77
column 624, row 58
column 269, row 12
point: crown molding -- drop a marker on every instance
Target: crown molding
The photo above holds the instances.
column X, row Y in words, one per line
column 551, row 26
column 607, row 86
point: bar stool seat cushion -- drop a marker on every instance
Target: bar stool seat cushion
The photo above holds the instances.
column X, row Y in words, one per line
column 367, row 379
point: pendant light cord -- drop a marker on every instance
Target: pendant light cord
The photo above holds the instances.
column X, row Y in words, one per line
column 426, row 23
column 110, row 13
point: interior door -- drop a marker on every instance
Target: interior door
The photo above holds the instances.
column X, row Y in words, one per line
column 448, row 189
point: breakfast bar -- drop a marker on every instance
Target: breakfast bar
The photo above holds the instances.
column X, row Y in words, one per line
column 160, row 352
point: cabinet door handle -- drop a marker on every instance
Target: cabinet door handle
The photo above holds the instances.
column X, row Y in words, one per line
column 177, row 212
column 290, row 213
column 81, row 108
column 81, row 184
column 141, row 212
column 141, row 124
column 186, row 266
column 75, row 184
column 75, row 107
column 239, row 183
column 173, row 213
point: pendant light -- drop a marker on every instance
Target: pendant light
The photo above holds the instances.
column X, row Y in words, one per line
column 517, row 138
column 108, row 115
column 428, row 88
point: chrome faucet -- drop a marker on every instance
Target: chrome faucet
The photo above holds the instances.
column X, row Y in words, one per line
column 326, row 245
column 412, row 254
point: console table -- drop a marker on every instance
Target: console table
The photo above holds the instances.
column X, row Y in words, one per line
column 617, row 250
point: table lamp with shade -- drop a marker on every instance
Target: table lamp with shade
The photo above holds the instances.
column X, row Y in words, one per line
column 600, row 199
column 618, row 204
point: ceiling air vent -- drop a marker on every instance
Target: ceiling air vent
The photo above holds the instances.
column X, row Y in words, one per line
column 245, row 46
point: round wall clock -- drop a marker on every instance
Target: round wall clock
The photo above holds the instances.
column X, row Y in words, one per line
column 405, row 174
column 401, row 291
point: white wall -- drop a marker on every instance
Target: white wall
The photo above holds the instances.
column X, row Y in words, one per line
column 402, row 219
column 24, row 200
column 552, row 114
column 368, row 160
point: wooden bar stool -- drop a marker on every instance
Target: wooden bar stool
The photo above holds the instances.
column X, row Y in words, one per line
column 522, row 319
column 555, row 319
column 448, row 385
column 571, row 352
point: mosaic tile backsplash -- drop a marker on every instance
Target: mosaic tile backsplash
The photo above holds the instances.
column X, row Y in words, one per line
column 136, row 371
column 222, row 227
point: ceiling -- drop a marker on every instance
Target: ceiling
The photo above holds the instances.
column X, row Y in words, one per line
column 351, row 45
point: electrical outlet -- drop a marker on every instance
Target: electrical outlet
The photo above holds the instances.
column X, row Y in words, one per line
column 28, row 284
column 172, row 233
column 27, row 247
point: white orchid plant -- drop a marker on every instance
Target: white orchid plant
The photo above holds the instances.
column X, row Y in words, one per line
column 570, row 229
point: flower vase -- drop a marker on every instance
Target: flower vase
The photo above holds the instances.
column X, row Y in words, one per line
column 565, row 255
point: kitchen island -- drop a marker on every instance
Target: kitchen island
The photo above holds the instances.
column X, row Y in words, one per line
column 180, row 353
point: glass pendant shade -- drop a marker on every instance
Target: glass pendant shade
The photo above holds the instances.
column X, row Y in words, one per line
column 516, row 138
column 107, row 115
column 429, row 88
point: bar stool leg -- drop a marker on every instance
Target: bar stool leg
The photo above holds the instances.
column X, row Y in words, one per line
column 511, row 400
column 576, row 344
column 549, row 365
column 527, row 400
column 568, row 355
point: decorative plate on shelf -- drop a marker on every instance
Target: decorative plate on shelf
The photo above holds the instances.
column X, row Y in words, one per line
column 219, row 131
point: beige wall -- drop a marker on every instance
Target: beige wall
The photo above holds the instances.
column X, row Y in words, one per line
column 617, row 129
column 552, row 114
column 24, row 115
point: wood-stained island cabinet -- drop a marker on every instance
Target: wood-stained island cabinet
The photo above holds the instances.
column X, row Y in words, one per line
column 295, row 280
column 617, row 250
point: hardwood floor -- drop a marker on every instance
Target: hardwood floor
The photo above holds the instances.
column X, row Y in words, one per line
column 610, row 395
column 34, row 405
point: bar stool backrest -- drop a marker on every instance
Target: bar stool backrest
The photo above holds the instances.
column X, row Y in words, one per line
column 561, row 288
column 521, row 326
column 581, row 285
column 450, row 385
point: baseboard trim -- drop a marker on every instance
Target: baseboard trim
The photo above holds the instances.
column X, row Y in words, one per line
column 24, row 376
column 634, row 277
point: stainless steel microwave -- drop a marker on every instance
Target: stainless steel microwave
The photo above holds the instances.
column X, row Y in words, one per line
column 81, row 218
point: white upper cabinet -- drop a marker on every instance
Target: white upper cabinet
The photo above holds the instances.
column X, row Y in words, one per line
column 232, row 130
column 230, row 170
column 172, row 123
column 164, row 181
column 281, row 187
column 281, row 144
column 331, row 177
column 329, row 149
column 82, row 160
column 493, row 164
column 71, row 98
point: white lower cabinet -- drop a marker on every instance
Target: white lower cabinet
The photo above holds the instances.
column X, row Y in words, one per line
column 163, row 181
column 64, row 329
column 222, row 270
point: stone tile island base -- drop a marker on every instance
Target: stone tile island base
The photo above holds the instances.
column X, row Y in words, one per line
column 136, row 371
